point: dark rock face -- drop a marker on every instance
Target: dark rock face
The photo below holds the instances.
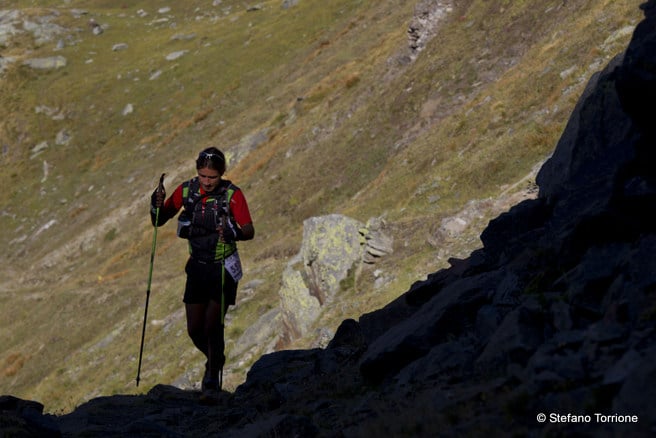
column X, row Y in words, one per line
column 556, row 315
column 23, row 418
column 559, row 306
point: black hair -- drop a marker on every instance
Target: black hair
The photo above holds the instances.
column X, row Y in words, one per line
column 211, row 158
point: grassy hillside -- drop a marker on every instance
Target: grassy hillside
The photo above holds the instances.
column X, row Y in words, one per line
column 322, row 107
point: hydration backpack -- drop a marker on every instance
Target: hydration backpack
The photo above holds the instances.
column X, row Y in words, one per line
column 202, row 216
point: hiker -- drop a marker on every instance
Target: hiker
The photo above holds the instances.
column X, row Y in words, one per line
column 215, row 216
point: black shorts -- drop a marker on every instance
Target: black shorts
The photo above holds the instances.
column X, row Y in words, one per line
column 206, row 281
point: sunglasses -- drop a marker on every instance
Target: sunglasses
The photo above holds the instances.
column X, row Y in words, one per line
column 210, row 156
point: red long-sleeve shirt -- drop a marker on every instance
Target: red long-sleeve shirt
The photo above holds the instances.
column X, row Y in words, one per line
column 238, row 206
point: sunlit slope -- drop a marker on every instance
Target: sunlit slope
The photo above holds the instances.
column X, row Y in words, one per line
column 323, row 107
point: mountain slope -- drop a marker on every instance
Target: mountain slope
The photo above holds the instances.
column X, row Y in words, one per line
column 323, row 107
column 547, row 330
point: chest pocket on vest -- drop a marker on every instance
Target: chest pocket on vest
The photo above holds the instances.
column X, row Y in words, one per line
column 205, row 217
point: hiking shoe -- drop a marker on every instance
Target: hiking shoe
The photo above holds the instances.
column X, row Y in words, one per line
column 207, row 380
column 210, row 392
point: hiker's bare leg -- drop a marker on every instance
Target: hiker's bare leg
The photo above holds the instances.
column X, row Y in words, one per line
column 214, row 336
column 196, row 326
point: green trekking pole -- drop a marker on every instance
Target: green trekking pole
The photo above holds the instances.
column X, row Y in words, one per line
column 222, row 312
column 224, row 221
column 150, row 277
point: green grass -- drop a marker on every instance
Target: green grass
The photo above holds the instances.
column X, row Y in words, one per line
column 351, row 129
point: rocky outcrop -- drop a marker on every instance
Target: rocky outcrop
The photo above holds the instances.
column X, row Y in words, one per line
column 286, row 4
column 40, row 26
column 428, row 15
column 312, row 278
column 25, row 418
column 332, row 249
column 47, row 63
column 557, row 310
column 376, row 239
column 548, row 330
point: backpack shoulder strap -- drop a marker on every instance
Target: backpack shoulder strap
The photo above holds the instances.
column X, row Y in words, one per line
column 230, row 189
column 191, row 193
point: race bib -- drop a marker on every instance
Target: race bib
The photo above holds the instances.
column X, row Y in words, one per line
column 233, row 266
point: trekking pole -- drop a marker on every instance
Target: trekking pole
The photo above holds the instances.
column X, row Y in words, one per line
column 222, row 314
column 150, row 277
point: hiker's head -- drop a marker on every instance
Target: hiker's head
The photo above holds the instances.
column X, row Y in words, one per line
column 210, row 165
column 211, row 158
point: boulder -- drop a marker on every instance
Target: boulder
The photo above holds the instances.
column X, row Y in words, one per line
column 329, row 250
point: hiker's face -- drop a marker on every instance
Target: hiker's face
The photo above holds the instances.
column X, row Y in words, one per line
column 209, row 178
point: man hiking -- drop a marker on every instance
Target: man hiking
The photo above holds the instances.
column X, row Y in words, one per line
column 215, row 216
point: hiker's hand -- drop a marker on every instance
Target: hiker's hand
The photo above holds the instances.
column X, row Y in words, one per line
column 227, row 235
column 158, row 197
